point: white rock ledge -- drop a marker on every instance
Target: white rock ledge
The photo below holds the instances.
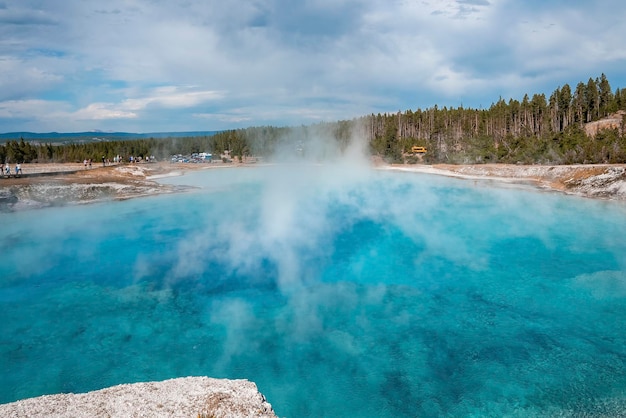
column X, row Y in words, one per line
column 187, row 397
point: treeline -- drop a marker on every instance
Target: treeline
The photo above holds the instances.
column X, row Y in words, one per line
column 533, row 130
column 537, row 129
column 24, row 151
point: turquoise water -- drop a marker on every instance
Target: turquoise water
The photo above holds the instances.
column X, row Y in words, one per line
column 339, row 292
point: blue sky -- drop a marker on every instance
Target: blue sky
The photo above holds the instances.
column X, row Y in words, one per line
column 184, row 65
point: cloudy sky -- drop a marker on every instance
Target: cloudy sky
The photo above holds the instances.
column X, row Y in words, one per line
column 185, row 65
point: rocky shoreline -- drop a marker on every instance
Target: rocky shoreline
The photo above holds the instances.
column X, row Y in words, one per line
column 183, row 397
column 45, row 185
column 598, row 181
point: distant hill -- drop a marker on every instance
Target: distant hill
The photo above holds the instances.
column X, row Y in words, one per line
column 94, row 136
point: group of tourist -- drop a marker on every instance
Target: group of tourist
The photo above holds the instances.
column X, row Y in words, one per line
column 105, row 161
column 7, row 169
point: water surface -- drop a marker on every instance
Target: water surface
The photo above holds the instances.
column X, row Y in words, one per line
column 340, row 292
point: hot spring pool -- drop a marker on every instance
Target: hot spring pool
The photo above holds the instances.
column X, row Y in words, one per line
column 340, row 293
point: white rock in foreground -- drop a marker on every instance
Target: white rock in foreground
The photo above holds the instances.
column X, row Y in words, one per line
column 182, row 397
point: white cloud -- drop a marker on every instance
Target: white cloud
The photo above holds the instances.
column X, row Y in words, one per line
column 24, row 77
column 223, row 117
column 59, row 116
column 24, row 109
column 171, row 97
column 101, row 111
column 283, row 62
